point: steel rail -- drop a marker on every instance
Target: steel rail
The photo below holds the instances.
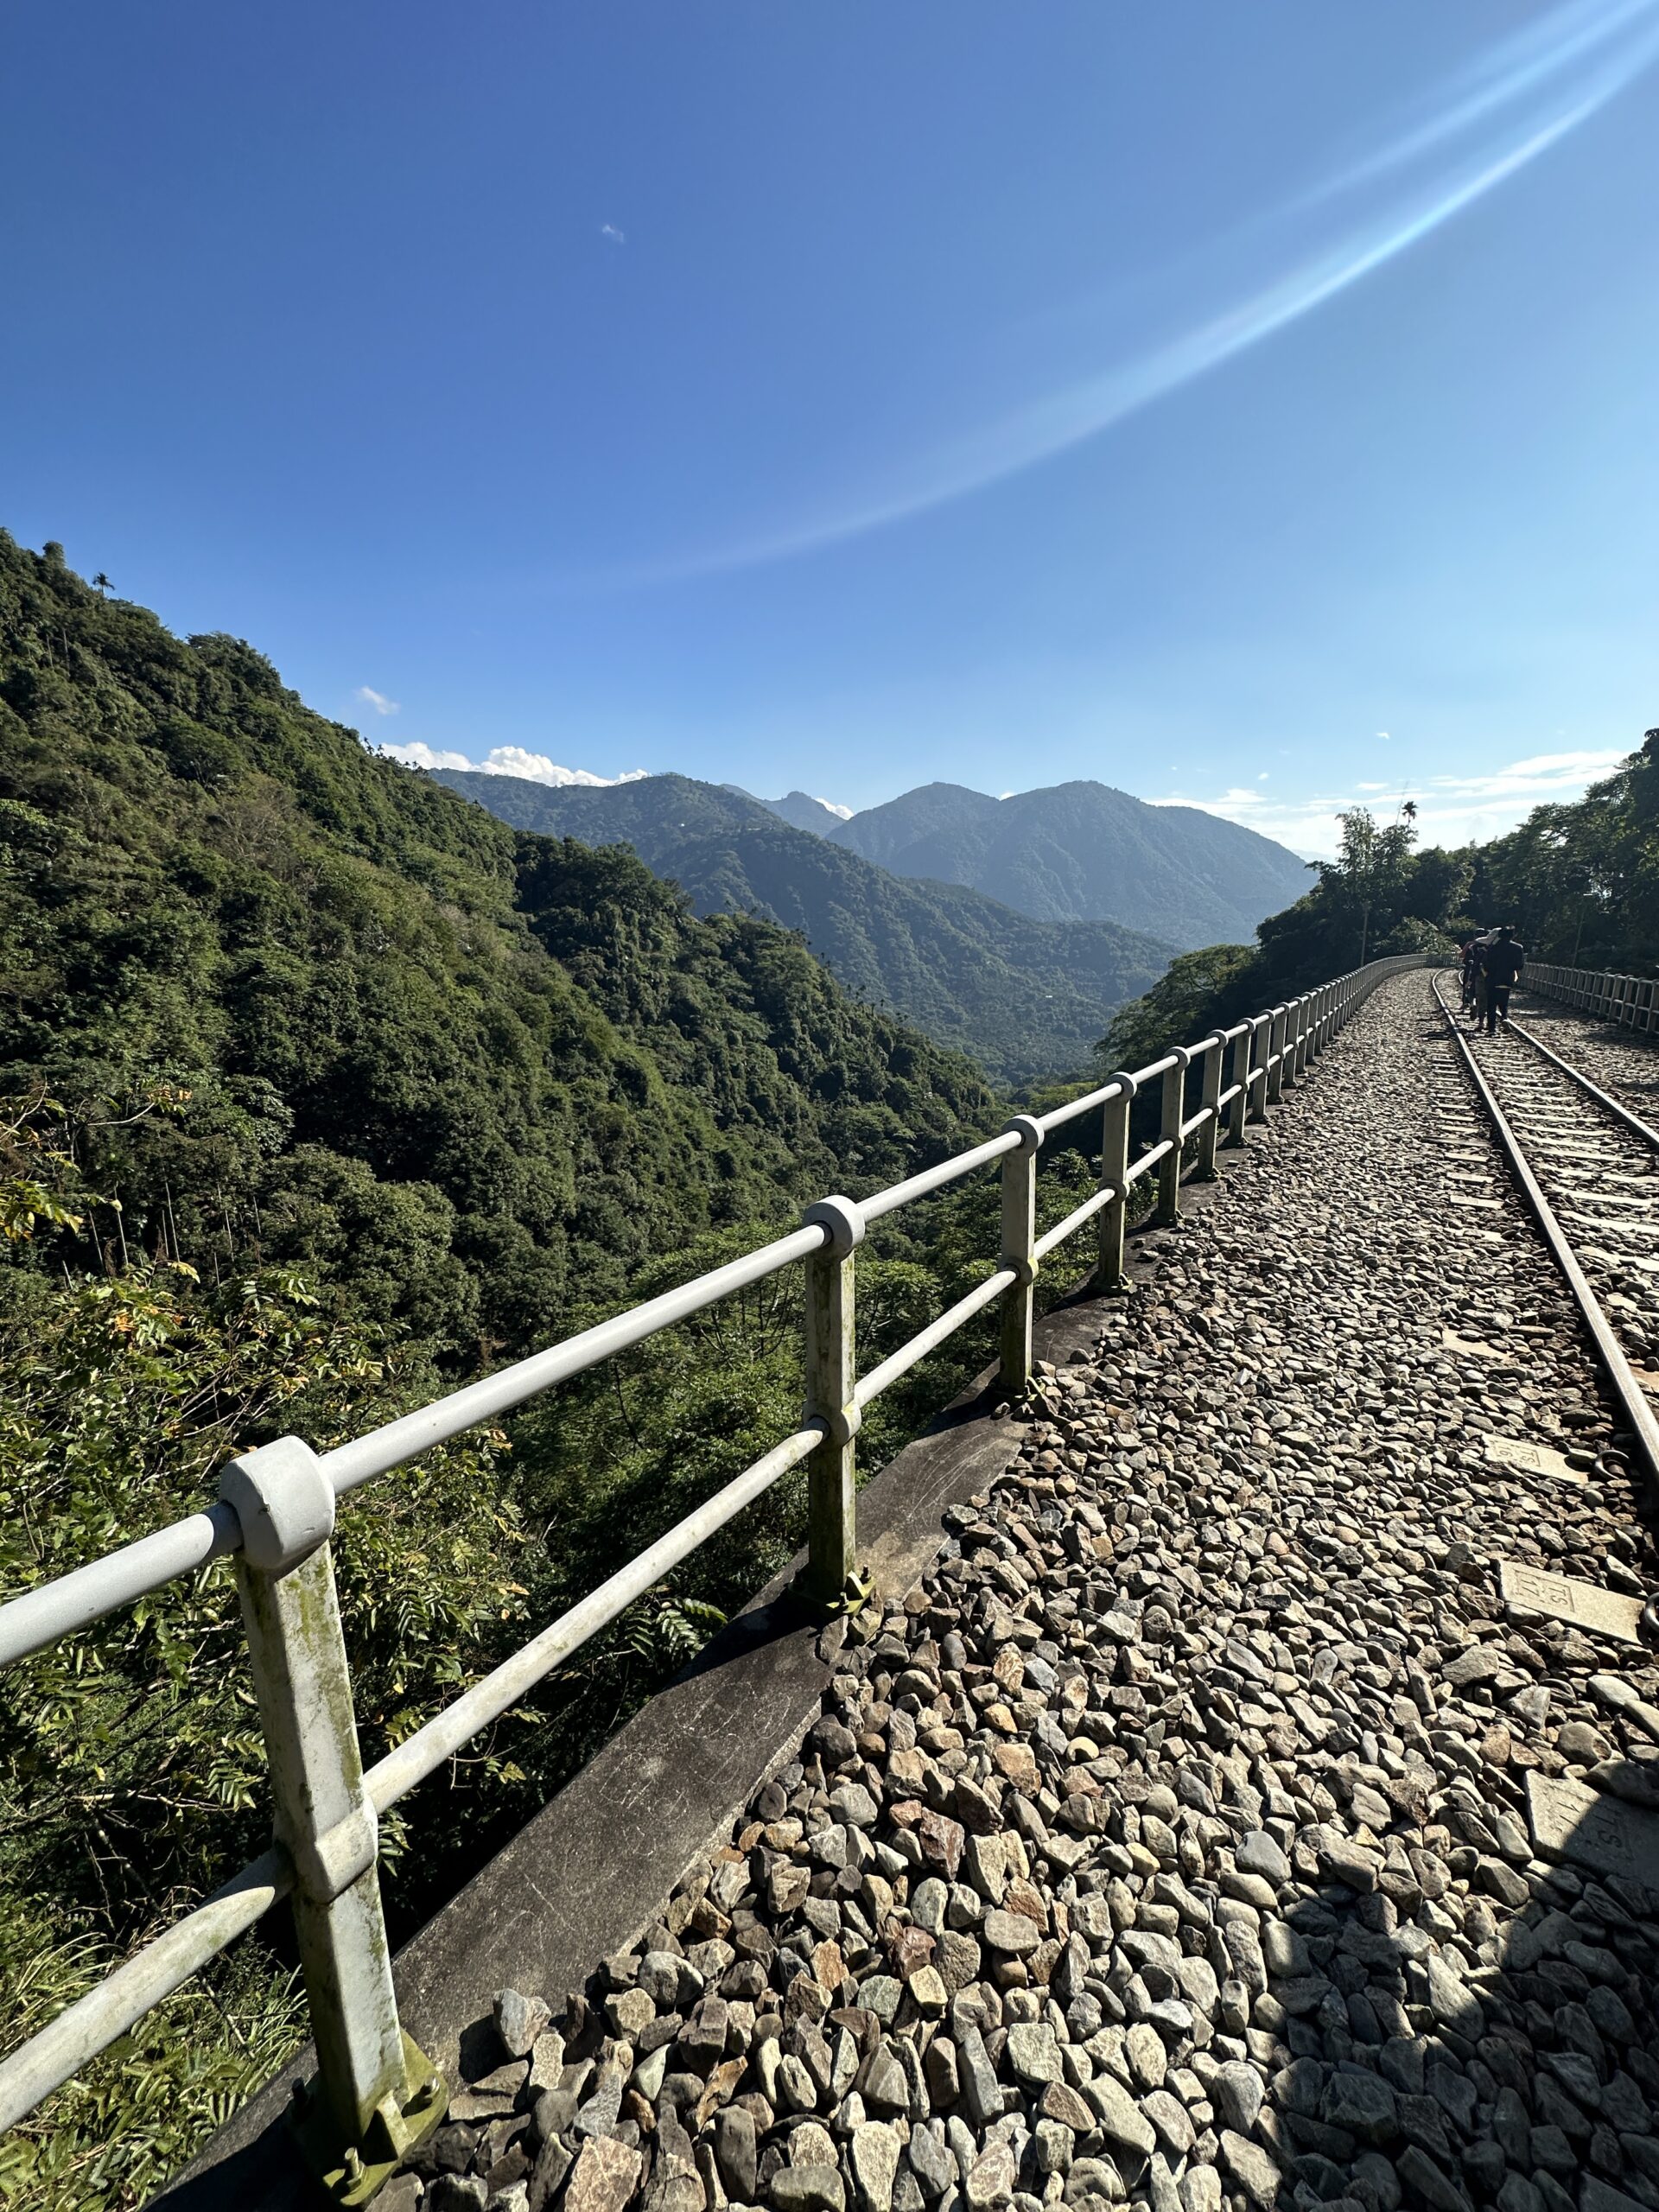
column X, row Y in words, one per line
column 1633, row 1122
column 1631, row 1395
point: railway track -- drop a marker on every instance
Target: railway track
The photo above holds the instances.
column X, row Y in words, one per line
column 1589, row 1169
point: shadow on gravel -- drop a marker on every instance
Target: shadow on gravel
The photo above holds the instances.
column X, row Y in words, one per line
column 1527, row 2080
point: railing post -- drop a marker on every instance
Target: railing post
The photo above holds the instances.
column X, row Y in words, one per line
column 1174, row 1112
column 1276, row 1053
column 1304, row 1023
column 1287, row 1044
column 1019, row 1252
column 831, row 1397
column 1239, row 1104
column 1213, row 1049
column 377, row 2097
column 1115, row 1176
column 1261, row 1030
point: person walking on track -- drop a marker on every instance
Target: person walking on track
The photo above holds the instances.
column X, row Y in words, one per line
column 1469, row 956
column 1501, row 963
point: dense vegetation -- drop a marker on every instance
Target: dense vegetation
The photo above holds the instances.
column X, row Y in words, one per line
column 1578, row 882
column 326, row 1088
column 1581, row 881
column 1026, row 997
column 481, row 1075
column 1083, row 852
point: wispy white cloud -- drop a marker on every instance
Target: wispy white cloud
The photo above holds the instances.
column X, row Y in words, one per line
column 1451, row 809
column 1544, row 776
column 376, row 701
column 612, row 235
column 836, row 807
column 515, row 760
column 1487, row 122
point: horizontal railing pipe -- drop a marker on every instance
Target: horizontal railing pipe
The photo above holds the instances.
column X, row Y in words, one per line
column 424, row 1752
column 85, row 1594
column 93, row 2022
column 935, row 1178
column 1053, row 1238
column 1075, row 1109
column 350, row 1464
column 883, row 1375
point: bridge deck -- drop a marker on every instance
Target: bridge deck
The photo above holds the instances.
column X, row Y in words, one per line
column 1173, row 1839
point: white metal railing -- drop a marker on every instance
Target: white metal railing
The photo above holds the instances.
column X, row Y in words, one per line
column 377, row 2095
column 1631, row 1000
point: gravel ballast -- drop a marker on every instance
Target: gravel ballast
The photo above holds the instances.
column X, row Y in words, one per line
column 1168, row 1842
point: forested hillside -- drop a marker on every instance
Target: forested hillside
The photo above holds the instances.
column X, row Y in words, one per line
column 470, row 1070
column 1028, row 998
column 1084, row 852
column 324, row 1088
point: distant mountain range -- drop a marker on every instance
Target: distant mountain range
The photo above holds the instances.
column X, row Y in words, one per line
column 1028, row 997
column 1083, row 852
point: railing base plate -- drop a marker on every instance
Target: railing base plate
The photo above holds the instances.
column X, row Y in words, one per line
column 851, row 1603
column 352, row 2173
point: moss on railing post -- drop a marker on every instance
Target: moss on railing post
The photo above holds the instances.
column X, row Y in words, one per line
column 1115, row 1176
column 1019, row 1252
column 831, row 1397
column 375, row 2095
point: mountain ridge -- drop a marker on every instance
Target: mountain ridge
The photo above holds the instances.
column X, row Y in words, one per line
column 1085, row 851
column 1026, row 997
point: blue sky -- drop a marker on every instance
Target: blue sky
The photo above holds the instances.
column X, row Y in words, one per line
column 1256, row 406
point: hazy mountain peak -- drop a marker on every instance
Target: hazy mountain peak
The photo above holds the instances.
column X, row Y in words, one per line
column 800, row 809
column 1084, row 851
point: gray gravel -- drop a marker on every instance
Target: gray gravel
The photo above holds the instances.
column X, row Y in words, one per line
column 1167, row 1844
